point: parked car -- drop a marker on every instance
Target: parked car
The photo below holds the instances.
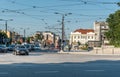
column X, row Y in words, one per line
column 11, row 47
column 3, row 48
column 36, row 47
column 29, row 47
column 90, row 48
column 21, row 50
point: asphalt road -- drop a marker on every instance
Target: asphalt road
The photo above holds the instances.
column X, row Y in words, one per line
column 39, row 64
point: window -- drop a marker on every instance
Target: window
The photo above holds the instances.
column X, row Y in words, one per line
column 81, row 37
column 91, row 37
column 74, row 37
column 88, row 37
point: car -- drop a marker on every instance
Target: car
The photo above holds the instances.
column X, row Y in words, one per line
column 3, row 49
column 37, row 47
column 21, row 50
column 90, row 48
column 28, row 46
column 11, row 47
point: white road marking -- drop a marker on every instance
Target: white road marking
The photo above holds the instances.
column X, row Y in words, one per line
column 94, row 70
column 46, row 72
column 3, row 73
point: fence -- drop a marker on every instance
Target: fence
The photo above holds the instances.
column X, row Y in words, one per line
column 106, row 50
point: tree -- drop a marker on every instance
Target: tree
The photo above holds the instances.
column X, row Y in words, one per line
column 39, row 37
column 113, row 33
column 78, row 43
column 2, row 37
column 28, row 39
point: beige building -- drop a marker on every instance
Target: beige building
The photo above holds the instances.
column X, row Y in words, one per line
column 9, row 33
column 49, row 37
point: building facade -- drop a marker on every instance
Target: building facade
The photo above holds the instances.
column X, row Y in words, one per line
column 94, row 37
column 49, row 38
column 82, row 36
column 100, row 28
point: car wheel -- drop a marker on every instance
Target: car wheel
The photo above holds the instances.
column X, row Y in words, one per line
column 27, row 53
column 6, row 51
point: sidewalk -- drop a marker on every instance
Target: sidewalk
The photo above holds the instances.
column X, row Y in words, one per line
column 87, row 53
column 93, row 52
column 75, row 52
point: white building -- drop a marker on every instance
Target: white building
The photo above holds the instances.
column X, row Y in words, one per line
column 94, row 36
column 82, row 36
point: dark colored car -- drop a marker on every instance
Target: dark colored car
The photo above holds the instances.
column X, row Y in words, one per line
column 90, row 48
column 3, row 49
column 11, row 48
column 21, row 50
column 30, row 47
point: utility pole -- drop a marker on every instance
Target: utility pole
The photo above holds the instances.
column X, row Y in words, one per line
column 6, row 27
column 6, row 24
column 24, row 33
column 63, row 31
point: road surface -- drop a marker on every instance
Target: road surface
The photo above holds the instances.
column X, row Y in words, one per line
column 39, row 64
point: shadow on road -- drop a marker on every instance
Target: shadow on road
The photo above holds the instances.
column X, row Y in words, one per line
column 99, row 68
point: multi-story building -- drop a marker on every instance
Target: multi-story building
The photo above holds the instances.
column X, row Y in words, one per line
column 100, row 28
column 49, row 37
column 82, row 36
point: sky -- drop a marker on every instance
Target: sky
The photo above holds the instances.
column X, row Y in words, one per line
column 39, row 15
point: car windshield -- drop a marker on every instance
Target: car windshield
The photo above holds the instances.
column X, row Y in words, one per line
column 12, row 46
column 37, row 46
column 27, row 46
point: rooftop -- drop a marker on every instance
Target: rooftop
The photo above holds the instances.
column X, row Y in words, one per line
column 84, row 31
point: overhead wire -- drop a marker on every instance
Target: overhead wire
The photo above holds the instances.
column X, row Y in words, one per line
column 83, row 2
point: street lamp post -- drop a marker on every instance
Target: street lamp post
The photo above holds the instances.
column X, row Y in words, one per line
column 24, row 33
column 6, row 23
column 63, row 30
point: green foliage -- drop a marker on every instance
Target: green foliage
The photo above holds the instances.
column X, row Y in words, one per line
column 3, row 35
column 28, row 39
column 78, row 43
column 113, row 34
column 39, row 37
column 86, row 45
column 18, row 42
